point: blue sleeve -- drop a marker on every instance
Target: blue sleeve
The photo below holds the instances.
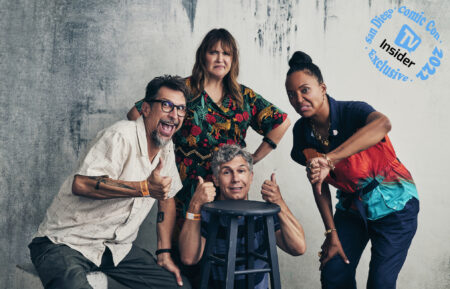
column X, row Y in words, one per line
column 299, row 145
column 204, row 224
column 356, row 113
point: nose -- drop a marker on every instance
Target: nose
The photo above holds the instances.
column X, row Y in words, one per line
column 174, row 113
column 234, row 178
column 298, row 97
column 219, row 57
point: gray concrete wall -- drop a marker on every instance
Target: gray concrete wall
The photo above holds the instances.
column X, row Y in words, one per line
column 71, row 68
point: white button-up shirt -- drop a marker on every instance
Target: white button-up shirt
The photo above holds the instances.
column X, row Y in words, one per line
column 88, row 225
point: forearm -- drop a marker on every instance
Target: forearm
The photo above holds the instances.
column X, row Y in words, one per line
column 376, row 128
column 166, row 223
column 190, row 241
column 292, row 234
column 101, row 187
column 133, row 114
column 275, row 135
column 323, row 202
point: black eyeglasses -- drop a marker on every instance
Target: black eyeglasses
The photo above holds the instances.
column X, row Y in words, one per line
column 168, row 106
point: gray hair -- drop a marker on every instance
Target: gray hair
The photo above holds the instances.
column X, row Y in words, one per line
column 227, row 153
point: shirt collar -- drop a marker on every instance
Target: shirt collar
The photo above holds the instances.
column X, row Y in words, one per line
column 334, row 122
column 333, row 116
column 142, row 136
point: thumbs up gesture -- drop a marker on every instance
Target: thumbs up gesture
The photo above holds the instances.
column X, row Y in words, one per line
column 270, row 191
column 204, row 193
column 159, row 186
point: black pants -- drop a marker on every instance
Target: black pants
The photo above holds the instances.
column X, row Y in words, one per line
column 61, row 267
column 390, row 237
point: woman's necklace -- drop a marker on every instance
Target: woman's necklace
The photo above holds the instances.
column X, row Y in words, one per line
column 323, row 139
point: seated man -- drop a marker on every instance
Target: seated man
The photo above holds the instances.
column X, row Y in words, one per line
column 94, row 219
column 232, row 174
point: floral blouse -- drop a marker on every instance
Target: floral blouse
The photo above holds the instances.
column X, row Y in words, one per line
column 207, row 126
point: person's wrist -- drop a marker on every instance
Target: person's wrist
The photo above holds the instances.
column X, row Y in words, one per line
column 195, row 207
column 329, row 161
column 163, row 252
column 331, row 233
column 334, row 160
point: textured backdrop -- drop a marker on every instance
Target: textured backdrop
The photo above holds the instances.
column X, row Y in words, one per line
column 71, row 68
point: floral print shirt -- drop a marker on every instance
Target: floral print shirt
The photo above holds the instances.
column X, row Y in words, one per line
column 207, row 126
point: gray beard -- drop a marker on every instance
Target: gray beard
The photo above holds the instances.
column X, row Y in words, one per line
column 158, row 141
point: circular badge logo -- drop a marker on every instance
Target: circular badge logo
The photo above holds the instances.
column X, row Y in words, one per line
column 404, row 44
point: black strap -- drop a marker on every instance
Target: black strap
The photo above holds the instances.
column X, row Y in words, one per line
column 349, row 198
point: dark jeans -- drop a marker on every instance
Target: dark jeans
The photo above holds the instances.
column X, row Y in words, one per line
column 191, row 272
column 390, row 236
column 62, row 267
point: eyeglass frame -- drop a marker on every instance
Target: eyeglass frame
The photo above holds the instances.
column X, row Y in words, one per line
column 171, row 105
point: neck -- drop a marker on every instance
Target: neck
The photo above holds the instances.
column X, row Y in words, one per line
column 214, row 88
column 152, row 149
column 214, row 83
column 322, row 117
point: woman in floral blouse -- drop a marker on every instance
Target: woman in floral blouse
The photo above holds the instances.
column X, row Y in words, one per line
column 220, row 111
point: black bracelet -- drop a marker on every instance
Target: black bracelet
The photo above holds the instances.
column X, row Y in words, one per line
column 270, row 142
column 159, row 251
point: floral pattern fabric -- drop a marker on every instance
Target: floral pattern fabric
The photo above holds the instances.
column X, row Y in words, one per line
column 207, row 126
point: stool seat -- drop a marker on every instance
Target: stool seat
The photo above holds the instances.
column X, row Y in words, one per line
column 246, row 212
column 241, row 208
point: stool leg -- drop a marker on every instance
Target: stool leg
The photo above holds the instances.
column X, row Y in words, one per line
column 275, row 282
column 210, row 241
column 250, row 250
column 231, row 256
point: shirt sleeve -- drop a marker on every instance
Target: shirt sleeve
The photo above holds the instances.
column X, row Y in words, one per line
column 298, row 146
column 357, row 112
column 264, row 115
column 106, row 156
column 204, row 224
column 138, row 105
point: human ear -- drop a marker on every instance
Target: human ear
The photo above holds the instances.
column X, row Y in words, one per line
column 145, row 109
column 216, row 182
column 323, row 87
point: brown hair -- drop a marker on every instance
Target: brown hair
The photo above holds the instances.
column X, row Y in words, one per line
column 199, row 73
column 173, row 82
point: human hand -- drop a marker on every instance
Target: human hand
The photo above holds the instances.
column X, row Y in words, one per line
column 330, row 247
column 317, row 170
column 165, row 261
column 204, row 193
column 270, row 191
column 159, row 186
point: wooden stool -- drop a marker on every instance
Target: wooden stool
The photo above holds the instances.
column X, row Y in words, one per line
column 235, row 209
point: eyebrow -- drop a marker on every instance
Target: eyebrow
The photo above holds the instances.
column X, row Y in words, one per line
column 228, row 167
column 163, row 99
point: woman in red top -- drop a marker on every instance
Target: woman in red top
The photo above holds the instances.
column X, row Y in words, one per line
column 345, row 144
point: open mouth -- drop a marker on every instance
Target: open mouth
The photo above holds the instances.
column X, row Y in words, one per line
column 167, row 128
column 235, row 189
column 304, row 108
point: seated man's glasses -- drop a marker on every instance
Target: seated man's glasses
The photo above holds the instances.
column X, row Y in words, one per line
column 168, row 106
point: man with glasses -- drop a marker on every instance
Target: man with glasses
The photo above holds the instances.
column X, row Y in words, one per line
column 94, row 219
